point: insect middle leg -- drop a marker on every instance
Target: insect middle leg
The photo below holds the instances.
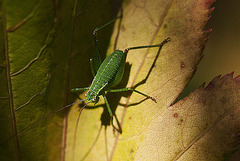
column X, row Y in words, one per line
column 111, row 115
column 131, row 89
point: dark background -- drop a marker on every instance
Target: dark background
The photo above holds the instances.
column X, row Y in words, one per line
column 222, row 51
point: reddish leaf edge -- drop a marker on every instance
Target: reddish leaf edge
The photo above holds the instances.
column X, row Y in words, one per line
column 212, row 84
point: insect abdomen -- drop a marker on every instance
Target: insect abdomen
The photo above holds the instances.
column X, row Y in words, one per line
column 107, row 71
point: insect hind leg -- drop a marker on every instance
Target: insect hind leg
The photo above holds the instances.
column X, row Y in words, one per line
column 131, row 89
column 96, row 58
column 148, row 46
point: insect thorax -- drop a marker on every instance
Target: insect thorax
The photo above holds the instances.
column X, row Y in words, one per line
column 106, row 74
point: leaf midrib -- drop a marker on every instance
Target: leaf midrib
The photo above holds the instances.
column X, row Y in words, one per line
column 9, row 82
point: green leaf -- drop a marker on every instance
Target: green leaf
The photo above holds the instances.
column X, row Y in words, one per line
column 36, row 69
column 46, row 49
column 28, row 29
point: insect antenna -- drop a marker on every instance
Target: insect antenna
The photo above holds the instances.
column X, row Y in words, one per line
column 75, row 131
column 42, row 118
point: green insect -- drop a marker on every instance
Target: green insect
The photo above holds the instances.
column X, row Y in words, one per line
column 109, row 73
column 106, row 74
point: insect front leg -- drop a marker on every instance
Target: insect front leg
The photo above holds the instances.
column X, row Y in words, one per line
column 131, row 89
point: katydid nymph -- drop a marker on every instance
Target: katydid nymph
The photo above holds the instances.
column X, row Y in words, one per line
column 107, row 74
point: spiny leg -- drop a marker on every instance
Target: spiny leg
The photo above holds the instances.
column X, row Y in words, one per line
column 140, row 47
column 111, row 116
column 131, row 89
